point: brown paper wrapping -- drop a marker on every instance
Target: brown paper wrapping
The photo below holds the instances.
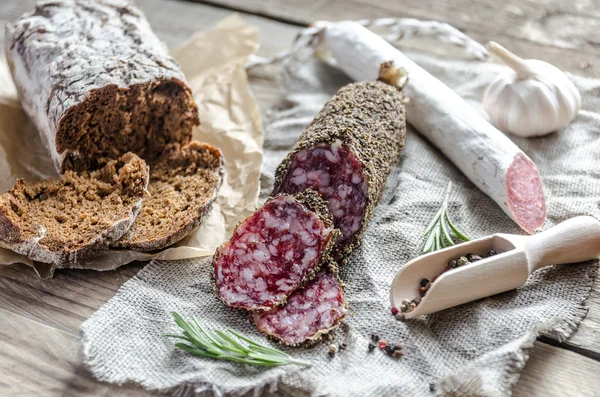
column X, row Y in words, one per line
column 213, row 62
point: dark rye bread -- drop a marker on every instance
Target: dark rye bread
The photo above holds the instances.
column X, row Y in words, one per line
column 61, row 221
column 184, row 182
column 97, row 82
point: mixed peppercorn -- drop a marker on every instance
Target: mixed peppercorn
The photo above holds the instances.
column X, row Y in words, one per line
column 392, row 350
column 408, row 305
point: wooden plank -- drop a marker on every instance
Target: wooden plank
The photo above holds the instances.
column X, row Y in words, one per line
column 74, row 295
column 37, row 360
column 64, row 301
column 566, row 34
column 555, row 372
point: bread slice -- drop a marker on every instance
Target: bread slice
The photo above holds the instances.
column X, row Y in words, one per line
column 183, row 184
column 61, row 221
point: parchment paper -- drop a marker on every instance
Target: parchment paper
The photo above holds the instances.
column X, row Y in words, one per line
column 213, row 63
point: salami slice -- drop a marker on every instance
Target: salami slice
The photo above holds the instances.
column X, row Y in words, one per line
column 346, row 154
column 274, row 251
column 309, row 313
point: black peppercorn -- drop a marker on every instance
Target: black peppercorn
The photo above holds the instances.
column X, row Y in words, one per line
column 389, row 350
column 375, row 338
column 490, row 253
column 424, row 282
column 432, row 387
column 371, row 347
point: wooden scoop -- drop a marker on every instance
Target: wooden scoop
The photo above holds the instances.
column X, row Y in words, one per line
column 575, row 240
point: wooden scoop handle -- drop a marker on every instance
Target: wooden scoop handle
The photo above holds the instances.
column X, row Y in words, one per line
column 572, row 241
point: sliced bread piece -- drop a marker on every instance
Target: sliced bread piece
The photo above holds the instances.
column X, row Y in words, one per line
column 183, row 184
column 61, row 221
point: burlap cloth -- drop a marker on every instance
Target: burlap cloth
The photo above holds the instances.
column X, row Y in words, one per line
column 475, row 349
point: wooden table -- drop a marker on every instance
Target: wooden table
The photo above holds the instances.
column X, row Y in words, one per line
column 39, row 320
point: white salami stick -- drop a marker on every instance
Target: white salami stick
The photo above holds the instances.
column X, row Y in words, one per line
column 484, row 154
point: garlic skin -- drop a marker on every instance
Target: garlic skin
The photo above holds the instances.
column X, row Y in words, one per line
column 533, row 99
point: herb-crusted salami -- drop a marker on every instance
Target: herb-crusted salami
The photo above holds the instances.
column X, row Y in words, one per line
column 309, row 313
column 346, row 154
column 97, row 82
column 274, row 251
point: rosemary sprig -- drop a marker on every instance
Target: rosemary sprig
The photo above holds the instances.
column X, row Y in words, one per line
column 228, row 346
column 439, row 232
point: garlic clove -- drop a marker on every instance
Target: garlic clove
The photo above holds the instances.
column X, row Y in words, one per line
column 534, row 98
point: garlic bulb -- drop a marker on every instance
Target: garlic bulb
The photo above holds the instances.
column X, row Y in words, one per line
column 533, row 99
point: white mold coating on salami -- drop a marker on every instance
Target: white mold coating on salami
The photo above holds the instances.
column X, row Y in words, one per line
column 309, row 313
column 483, row 153
column 338, row 175
column 271, row 254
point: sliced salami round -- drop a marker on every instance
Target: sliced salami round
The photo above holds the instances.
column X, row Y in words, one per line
column 274, row 251
column 309, row 313
column 346, row 154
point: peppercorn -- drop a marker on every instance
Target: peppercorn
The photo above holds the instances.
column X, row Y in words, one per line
column 404, row 308
column 473, row 257
column 413, row 306
column 461, row 261
column 490, row 253
column 382, row 344
column 375, row 338
column 397, row 354
column 417, row 300
column 332, row 350
column 432, row 387
column 422, row 291
column 389, row 350
column 371, row 347
column 452, row 264
column 395, row 310
column 405, row 302
column 342, row 346
column 400, row 317
column 424, row 282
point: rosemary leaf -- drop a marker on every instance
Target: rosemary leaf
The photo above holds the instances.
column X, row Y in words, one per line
column 221, row 346
column 456, row 231
column 439, row 233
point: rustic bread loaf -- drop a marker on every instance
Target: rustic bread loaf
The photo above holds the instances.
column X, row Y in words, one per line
column 61, row 221
column 98, row 83
column 183, row 184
